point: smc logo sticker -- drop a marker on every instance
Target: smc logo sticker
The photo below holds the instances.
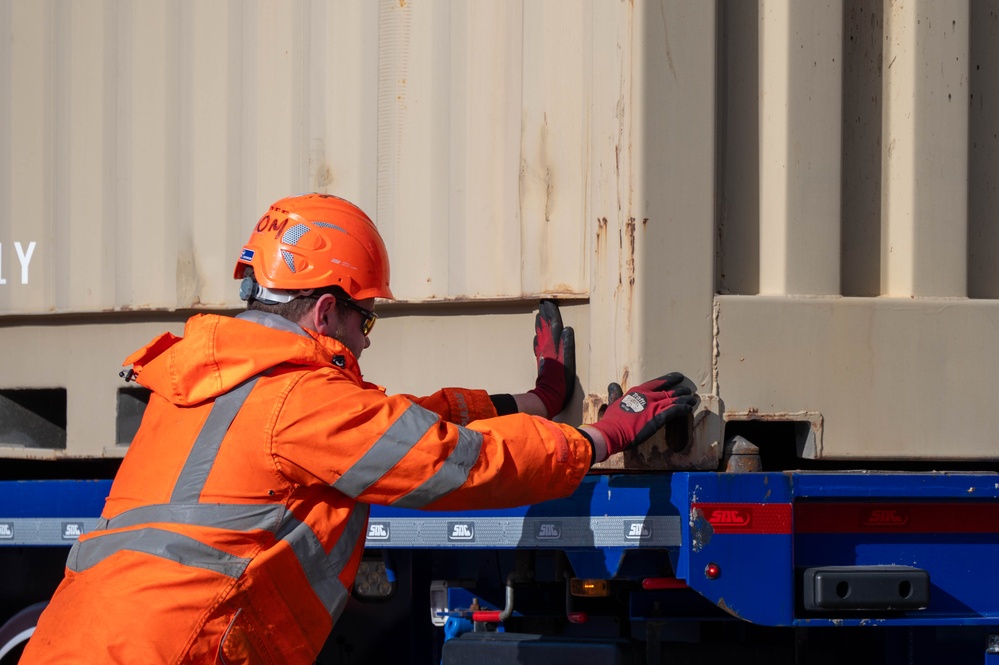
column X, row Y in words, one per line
column 378, row 531
column 460, row 531
column 637, row 530
column 884, row 517
column 549, row 531
column 734, row 517
column 72, row 530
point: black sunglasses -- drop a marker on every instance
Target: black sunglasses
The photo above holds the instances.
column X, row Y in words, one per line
column 369, row 316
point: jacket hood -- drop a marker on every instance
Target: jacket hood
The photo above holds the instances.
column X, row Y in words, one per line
column 217, row 353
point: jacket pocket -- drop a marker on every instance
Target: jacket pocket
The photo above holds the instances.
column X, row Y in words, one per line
column 239, row 645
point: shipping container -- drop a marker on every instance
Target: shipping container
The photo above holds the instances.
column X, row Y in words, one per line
column 792, row 204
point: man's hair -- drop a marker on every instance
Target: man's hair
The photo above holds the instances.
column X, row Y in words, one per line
column 299, row 307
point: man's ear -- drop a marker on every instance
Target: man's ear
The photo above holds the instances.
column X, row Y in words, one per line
column 323, row 316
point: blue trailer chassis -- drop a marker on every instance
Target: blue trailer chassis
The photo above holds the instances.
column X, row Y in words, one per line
column 914, row 554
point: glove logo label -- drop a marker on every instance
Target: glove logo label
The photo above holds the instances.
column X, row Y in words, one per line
column 6, row 530
column 634, row 403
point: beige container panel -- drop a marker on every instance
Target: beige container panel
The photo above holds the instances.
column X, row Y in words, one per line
column 800, row 138
column 482, row 149
column 141, row 140
column 674, row 202
column 890, row 378
column 507, row 165
column 652, row 195
column 418, row 350
column 925, row 149
column 514, row 149
column 912, row 164
column 415, row 350
column 860, row 234
column 26, row 221
column 81, row 361
column 738, row 222
column 983, row 160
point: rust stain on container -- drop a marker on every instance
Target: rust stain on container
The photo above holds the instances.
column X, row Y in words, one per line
column 546, row 162
column 601, row 243
column 629, row 264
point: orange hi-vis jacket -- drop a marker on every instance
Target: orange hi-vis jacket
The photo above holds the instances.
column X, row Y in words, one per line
column 235, row 526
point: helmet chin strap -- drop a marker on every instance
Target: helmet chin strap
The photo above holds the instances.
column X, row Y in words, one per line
column 250, row 289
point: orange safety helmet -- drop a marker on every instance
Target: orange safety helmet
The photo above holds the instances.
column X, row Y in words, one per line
column 314, row 240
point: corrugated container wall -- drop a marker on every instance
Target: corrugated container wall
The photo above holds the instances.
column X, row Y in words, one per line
column 792, row 203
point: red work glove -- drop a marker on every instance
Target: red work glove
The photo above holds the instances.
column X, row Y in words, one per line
column 644, row 409
column 555, row 349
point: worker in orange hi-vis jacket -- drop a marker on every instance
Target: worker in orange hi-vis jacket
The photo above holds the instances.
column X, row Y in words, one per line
column 235, row 526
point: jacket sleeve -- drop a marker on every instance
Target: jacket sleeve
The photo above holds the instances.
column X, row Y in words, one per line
column 458, row 405
column 389, row 450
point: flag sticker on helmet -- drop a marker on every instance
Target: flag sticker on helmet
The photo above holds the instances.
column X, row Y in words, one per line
column 246, row 254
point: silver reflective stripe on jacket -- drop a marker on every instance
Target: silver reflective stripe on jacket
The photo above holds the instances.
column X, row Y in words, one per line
column 452, row 474
column 321, row 570
column 233, row 517
column 395, row 443
column 206, row 447
column 157, row 542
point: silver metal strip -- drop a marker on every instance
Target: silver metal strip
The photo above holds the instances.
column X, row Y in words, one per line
column 584, row 532
column 430, row 532
column 44, row 531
